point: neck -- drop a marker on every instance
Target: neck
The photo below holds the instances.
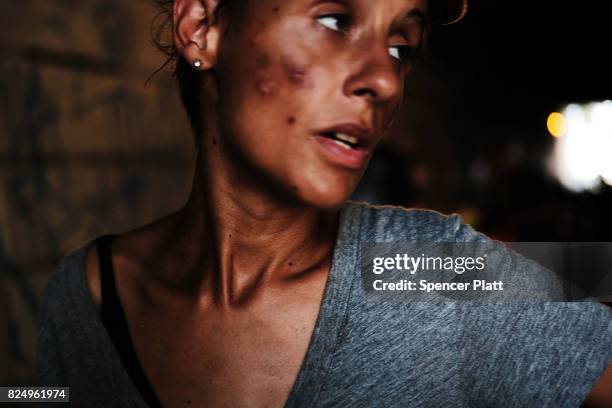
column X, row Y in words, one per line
column 235, row 239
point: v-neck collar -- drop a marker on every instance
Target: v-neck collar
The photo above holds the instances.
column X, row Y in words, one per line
column 332, row 313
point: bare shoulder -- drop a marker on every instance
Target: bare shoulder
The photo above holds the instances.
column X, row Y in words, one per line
column 126, row 255
column 129, row 254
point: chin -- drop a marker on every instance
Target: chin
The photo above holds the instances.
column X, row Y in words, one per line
column 327, row 196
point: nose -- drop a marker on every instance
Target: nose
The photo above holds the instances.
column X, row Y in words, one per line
column 376, row 78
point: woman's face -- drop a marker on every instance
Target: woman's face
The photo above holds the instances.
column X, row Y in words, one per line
column 307, row 88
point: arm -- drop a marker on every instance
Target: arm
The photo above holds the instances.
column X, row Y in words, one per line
column 559, row 348
column 601, row 394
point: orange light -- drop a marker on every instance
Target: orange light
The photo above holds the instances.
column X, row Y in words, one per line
column 557, row 125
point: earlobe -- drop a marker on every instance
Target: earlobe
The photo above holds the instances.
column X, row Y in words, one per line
column 195, row 37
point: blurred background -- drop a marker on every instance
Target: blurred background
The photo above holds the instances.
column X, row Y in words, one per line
column 505, row 122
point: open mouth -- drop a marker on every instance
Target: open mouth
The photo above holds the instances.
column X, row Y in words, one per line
column 343, row 140
column 348, row 145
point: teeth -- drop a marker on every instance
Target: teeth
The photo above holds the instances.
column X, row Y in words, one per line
column 342, row 144
column 347, row 138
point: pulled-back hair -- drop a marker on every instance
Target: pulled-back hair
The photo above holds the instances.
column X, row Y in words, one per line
column 187, row 77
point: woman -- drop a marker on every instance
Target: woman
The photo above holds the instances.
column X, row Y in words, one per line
column 247, row 296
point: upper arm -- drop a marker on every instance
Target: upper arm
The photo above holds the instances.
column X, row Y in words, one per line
column 60, row 327
column 547, row 354
column 601, row 394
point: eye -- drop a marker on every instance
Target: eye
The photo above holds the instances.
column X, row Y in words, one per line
column 335, row 22
column 403, row 53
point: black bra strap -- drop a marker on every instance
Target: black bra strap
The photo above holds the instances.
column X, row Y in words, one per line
column 110, row 305
column 113, row 318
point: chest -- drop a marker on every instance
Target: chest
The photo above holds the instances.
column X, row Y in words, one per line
column 243, row 358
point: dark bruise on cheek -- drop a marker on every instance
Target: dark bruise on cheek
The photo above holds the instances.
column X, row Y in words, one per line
column 297, row 76
column 263, row 80
column 295, row 73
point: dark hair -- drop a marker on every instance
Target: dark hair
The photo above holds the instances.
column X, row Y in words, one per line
column 187, row 77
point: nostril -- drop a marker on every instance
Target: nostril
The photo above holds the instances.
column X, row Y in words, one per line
column 365, row 92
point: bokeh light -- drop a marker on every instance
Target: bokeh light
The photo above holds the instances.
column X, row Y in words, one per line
column 582, row 159
column 557, row 124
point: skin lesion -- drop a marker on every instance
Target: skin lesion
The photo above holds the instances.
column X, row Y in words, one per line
column 271, row 72
column 296, row 75
column 293, row 72
column 264, row 82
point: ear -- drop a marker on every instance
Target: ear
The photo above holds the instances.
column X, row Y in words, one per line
column 196, row 35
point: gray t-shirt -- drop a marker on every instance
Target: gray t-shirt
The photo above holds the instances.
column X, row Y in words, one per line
column 366, row 351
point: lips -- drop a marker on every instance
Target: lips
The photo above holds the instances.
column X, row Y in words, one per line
column 347, row 145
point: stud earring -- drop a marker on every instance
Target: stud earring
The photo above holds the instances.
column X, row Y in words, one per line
column 197, row 64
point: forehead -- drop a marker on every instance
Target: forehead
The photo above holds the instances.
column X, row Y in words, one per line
column 390, row 8
column 376, row 9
